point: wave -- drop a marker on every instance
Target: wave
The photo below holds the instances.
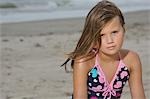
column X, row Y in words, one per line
column 55, row 9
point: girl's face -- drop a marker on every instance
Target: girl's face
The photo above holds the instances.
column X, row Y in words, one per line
column 112, row 37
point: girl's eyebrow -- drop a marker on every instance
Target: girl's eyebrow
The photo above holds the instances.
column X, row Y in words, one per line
column 115, row 29
column 102, row 33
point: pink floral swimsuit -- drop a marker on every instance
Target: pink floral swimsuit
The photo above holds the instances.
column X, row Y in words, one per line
column 98, row 86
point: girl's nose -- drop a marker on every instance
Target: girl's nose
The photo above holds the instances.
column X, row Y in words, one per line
column 109, row 39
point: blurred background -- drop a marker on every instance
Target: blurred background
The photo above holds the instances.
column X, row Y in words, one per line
column 36, row 35
column 27, row 10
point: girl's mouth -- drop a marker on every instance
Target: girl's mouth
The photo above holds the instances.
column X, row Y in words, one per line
column 111, row 47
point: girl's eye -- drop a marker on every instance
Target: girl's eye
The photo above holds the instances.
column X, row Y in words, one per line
column 115, row 32
column 102, row 35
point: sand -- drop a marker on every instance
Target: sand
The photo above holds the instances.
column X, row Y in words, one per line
column 32, row 52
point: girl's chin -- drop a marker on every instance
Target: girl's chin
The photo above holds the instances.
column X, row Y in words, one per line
column 110, row 52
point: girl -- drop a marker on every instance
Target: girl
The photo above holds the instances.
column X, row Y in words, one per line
column 100, row 67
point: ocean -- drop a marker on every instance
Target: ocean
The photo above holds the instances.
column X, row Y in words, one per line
column 32, row 10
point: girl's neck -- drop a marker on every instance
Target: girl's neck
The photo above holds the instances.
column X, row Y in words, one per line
column 108, row 58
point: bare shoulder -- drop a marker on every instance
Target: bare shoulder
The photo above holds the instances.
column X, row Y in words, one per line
column 131, row 58
column 81, row 68
column 84, row 64
column 130, row 55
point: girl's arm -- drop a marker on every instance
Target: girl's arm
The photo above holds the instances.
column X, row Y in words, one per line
column 135, row 81
column 80, row 80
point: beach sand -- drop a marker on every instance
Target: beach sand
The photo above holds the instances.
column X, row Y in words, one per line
column 32, row 52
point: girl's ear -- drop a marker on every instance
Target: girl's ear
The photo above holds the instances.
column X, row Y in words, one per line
column 94, row 50
column 96, row 45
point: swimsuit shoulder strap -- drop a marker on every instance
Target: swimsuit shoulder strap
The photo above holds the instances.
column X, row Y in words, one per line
column 96, row 57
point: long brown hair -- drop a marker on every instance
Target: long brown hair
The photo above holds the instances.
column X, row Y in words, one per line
column 90, row 39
